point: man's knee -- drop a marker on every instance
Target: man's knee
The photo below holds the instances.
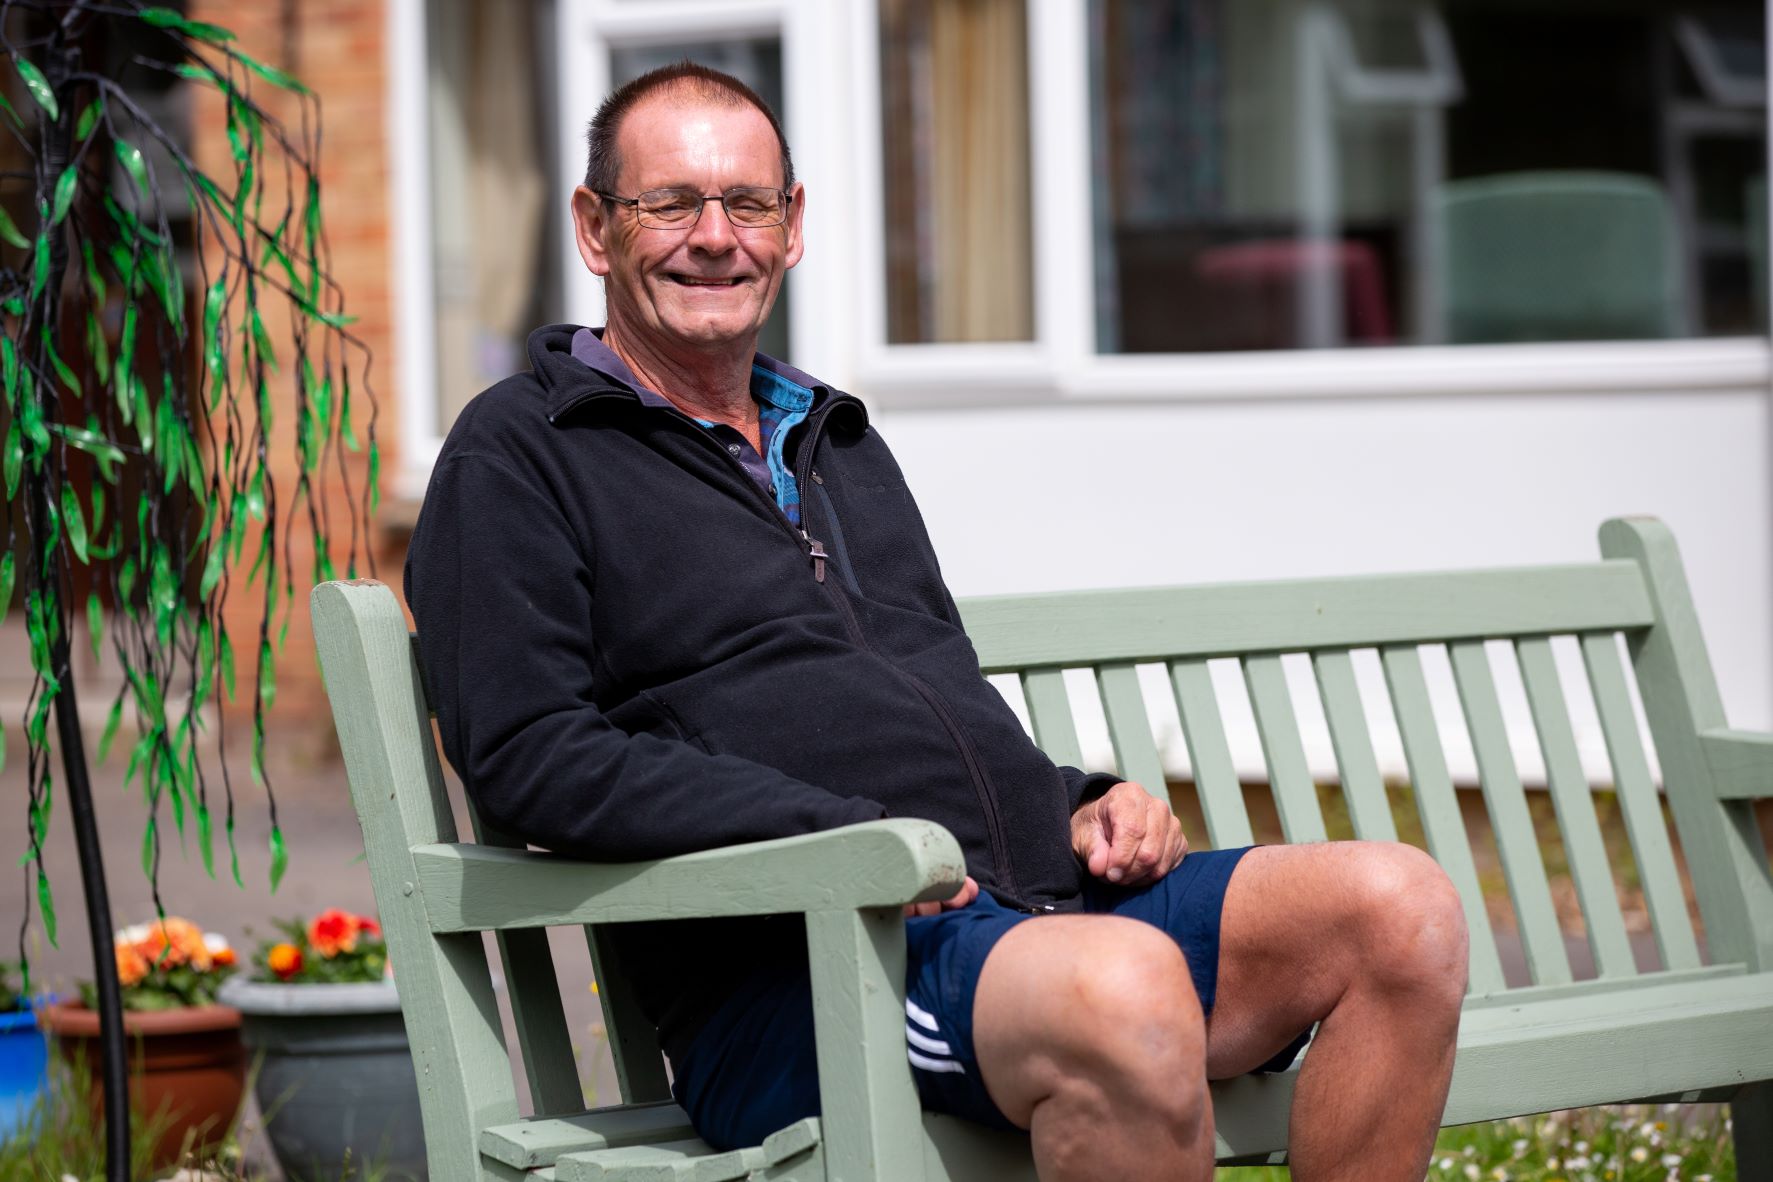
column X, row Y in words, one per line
column 1120, row 1029
column 1410, row 923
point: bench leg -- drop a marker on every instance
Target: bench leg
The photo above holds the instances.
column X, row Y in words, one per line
column 1751, row 1118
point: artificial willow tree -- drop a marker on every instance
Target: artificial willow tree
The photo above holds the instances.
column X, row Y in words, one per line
column 153, row 316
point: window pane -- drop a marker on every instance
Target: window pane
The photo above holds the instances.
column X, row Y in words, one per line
column 1361, row 172
column 755, row 61
column 954, row 113
column 491, row 190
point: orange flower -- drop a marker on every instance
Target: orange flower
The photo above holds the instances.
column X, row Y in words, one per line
column 132, row 966
column 224, row 957
column 369, row 926
column 334, row 931
column 180, row 940
column 285, row 960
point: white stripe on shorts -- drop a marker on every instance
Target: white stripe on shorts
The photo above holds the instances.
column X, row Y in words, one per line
column 924, row 1042
column 934, row 1065
column 922, row 1016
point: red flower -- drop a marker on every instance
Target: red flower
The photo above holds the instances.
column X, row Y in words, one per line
column 334, row 931
column 369, row 927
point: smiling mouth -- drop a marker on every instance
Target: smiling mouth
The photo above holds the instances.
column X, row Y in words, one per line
column 701, row 281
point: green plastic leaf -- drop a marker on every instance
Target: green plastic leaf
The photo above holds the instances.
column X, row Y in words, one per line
column 39, row 86
column 64, row 194
column 9, row 230
column 94, row 280
column 97, row 523
column 375, row 477
column 8, row 573
column 197, row 73
column 61, row 367
column 233, row 853
column 9, row 369
column 212, row 571
column 46, row 905
column 12, row 459
column 89, row 118
column 166, row 18
column 108, row 454
column 112, row 721
column 267, row 675
column 225, row 661
column 95, row 623
column 205, row 840
column 279, row 857
column 74, row 521
column 39, row 265
column 148, row 850
column 131, row 158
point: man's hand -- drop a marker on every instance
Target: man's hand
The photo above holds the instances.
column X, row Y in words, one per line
column 1127, row 836
column 969, row 890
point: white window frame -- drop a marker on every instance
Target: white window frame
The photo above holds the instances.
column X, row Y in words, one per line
column 831, row 75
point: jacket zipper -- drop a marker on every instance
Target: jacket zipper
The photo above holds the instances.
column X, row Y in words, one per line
column 975, row 771
column 818, row 557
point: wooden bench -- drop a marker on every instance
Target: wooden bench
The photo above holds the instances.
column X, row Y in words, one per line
column 1699, row 1027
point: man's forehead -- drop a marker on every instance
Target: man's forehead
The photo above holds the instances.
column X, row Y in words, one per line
column 680, row 129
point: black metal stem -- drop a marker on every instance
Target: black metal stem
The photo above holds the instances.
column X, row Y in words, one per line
column 53, row 577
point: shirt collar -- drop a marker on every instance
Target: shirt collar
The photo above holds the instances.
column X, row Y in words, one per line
column 772, row 381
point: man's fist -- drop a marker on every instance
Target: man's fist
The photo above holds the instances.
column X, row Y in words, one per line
column 1127, row 836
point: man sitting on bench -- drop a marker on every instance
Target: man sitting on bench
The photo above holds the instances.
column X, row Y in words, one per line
column 673, row 594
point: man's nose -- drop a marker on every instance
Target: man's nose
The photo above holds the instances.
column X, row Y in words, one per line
column 713, row 231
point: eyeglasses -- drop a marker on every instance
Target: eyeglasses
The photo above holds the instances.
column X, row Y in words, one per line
column 749, row 206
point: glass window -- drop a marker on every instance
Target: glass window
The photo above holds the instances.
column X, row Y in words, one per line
column 954, row 114
column 1308, row 173
column 755, row 61
column 490, row 109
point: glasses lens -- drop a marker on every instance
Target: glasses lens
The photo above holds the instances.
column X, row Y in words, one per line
column 755, row 207
column 666, row 208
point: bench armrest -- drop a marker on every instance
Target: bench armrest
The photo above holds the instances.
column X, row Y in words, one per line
column 1741, row 763
column 470, row 888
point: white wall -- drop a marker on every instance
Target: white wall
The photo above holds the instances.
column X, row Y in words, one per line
column 1065, row 497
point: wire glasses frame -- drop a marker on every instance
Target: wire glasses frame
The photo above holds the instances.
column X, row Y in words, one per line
column 753, row 207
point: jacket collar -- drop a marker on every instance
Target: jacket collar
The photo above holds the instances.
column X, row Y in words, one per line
column 570, row 382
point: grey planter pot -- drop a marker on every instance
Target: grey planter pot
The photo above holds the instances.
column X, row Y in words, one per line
column 335, row 1076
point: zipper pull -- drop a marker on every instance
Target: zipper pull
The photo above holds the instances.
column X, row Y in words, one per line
column 816, row 550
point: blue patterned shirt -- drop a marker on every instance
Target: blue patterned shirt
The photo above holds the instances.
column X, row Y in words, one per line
column 784, row 396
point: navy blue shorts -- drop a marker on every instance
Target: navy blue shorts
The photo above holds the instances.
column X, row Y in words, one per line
column 752, row 1069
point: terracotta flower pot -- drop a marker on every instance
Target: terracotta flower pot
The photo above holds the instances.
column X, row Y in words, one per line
column 187, row 1061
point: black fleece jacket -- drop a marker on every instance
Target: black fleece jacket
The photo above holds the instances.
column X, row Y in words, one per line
column 633, row 653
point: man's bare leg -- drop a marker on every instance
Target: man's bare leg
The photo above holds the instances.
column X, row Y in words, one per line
column 1368, row 937
column 1089, row 1035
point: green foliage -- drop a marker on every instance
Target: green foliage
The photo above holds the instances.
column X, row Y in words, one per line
column 119, row 396
column 334, row 948
column 1632, row 1143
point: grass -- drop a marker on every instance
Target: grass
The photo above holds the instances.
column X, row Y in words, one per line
column 1633, row 1143
column 62, row 1138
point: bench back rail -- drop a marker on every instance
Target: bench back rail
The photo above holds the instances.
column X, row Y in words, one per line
column 1637, row 592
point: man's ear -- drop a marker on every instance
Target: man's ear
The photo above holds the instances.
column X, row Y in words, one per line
column 796, row 211
column 591, row 228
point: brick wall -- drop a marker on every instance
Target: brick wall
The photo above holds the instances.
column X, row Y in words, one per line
column 337, row 48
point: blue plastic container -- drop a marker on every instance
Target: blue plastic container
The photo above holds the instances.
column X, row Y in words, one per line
column 24, row 1060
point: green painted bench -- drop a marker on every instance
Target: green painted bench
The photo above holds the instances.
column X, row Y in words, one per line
column 1700, row 1027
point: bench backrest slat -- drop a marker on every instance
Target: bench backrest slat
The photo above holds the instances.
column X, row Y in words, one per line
column 1368, row 807
column 1574, row 802
column 1235, row 619
column 1510, row 820
column 1725, row 853
column 1639, row 802
column 1295, row 795
column 1215, row 776
column 1135, row 750
column 1049, row 709
column 1443, row 826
